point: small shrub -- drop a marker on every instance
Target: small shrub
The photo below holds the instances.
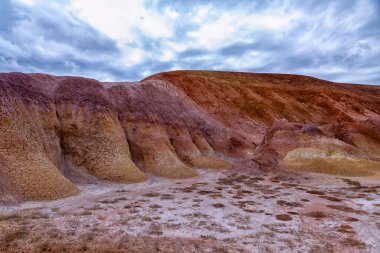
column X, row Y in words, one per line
column 218, row 205
column 351, row 219
column 352, row 242
column 284, row 217
column 155, row 229
column 352, row 182
column 151, row 194
column 167, row 197
column 288, row 204
column 331, row 198
column 315, row 192
column 155, row 206
column 344, row 228
column 317, row 214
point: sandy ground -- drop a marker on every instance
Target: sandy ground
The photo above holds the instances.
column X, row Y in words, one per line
column 228, row 211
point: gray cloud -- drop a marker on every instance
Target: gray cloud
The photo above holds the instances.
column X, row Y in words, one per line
column 44, row 39
column 335, row 40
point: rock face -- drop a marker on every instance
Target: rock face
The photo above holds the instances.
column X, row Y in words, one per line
column 304, row 147
column 30, row 151
column 170, row 124
column 297, row 122
column 91, row 135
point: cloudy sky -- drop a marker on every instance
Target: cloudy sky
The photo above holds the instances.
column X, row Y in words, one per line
column 131, row 39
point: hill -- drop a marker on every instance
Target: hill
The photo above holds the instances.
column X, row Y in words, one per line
column 58, row 132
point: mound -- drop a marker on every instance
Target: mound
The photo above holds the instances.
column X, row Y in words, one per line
column 358, row 135
column 329, row 162
column 304, row 147
column 91, row 134
column 29, row 146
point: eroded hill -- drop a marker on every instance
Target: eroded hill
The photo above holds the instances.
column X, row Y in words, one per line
column 57, row 132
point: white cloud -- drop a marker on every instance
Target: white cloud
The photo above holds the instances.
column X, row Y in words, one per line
column 28, row 2
column 132, row 56
column 233, row 26
column 121, row 19
column 202, row 13
column 167, row 55
column 172, row 14
column 253, row 59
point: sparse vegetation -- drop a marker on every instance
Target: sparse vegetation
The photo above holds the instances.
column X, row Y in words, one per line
column 346, row 209
column 14, row 234
column 158, row 212
column 352, row 242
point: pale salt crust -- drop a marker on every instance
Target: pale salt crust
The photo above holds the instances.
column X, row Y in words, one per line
column 134, row 209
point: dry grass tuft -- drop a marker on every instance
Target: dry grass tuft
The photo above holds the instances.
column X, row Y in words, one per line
column 218, row 205
column 316, row 192
column 288, row 204
column 151, row 194
column 284, row 217
column 155, row 229
column 352, row 182
column 155, row 206
column 317, row 215
column 351, row 219
column 345, row 228
column 13, row 235
column 352, row 242
column 346, row 209
column 167, row 197
column 331, row 198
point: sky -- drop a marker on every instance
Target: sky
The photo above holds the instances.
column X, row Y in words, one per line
column 128, row 40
